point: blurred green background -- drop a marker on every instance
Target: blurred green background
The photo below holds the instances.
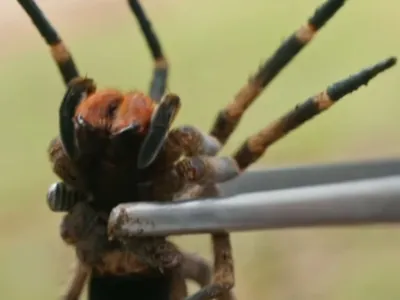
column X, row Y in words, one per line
column 213, row 46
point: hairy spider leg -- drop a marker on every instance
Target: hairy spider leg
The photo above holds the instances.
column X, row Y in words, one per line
column 216, row 169
column 228, row 118
column 158, row 83
column 163, row 116
column 256, row 145
column 65, row 61
column 77, row 90
column 67, row 68
column 59, row 51
column 77, row 282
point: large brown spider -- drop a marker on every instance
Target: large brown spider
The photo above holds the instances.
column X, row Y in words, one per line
column 117, row 147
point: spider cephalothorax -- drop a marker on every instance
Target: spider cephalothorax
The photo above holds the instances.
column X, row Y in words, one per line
column 109, row 120
column 119, row 147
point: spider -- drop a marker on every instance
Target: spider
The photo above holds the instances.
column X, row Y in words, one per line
column 115, row 147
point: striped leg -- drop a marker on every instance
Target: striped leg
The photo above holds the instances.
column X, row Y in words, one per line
column 77, row 90
column 228, row 118
column 59, row 51
column 256, row 145
column 163, row 116
column 160, row 74
column 62, row 197
column 207, row 169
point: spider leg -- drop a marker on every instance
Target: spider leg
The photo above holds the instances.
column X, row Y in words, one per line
column 62, row 165
column 224, row 273
column 59, row 51
column 62, row 197
column 256, row 145
column 160, row 124
column 190, row 142
column 77, row 283
column 77, row 90
column 62, row 149
column 178, row 289
column 196, row 268
column 199, row 165
column 160, row 73
column 228, row 118
column 205, row 170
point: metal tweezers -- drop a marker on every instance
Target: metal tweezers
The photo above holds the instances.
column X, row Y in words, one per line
column 336, row 194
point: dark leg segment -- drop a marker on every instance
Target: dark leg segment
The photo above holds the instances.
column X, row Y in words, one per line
column 59, row 51
column 160, row 74
column 256, row 145
column 228, row 119
column 160, row 124
column 78, row 89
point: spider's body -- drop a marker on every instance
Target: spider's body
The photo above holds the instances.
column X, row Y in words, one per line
column 109, row 129
column 116, row 147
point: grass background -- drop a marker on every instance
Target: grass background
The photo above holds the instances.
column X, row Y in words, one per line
column 213, row 46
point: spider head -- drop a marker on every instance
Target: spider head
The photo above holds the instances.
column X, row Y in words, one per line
column 112, row 113
column 111, row 119
column 113, row 122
